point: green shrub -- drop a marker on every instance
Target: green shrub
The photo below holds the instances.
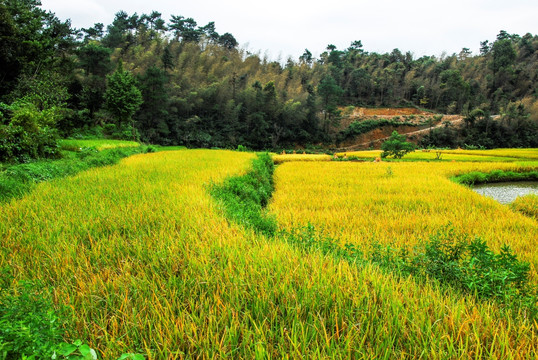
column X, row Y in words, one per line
column 29, row 326
column 27, row 133
column 469, row 266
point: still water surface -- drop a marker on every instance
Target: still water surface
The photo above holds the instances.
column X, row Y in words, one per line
column 506, row 192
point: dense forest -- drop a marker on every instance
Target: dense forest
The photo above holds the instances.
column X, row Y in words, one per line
column 175, row 82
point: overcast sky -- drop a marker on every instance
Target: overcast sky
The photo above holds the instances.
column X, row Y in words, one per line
column 285, row 28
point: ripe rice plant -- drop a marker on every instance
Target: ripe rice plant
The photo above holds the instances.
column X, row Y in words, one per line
column 357, row 203
column 527, row 205
column 147, row 262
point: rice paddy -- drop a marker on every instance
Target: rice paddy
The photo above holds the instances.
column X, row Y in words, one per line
column 147, row 262
column 500, row 155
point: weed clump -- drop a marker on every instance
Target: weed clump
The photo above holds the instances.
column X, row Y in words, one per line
column 453, row 261
column 466, row 265
column 29, row 326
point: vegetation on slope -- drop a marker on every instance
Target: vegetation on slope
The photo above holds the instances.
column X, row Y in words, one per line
column 181, row 83
column 527, row 205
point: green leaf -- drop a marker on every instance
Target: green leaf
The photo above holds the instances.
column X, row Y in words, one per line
column 84, row 350
column 66, row 349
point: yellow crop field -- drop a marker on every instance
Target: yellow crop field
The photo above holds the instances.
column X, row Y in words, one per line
column 278, row 159
column 147, row 262
column 514, row 153
column 510, row 155
column 396, row 203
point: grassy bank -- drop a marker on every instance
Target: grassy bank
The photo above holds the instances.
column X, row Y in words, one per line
column 245, row 197
column 479, row 177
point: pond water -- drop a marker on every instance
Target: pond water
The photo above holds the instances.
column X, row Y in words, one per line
column 506, row 192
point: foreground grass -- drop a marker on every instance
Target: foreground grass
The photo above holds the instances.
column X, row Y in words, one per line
column 147, row 262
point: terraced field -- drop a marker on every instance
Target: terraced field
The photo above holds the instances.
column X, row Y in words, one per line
column 146, row 261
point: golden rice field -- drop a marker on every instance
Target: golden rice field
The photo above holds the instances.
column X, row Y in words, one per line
column 501, row 155
column 148, row 263
column 396, row 203
column 281, row 158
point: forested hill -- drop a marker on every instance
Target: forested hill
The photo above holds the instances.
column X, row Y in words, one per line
column 177, row 82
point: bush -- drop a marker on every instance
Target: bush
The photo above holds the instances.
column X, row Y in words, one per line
column 29, row 134
column 29, row 327
column 469, row 266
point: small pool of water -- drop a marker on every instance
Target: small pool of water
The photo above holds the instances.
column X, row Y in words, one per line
column 506, row 192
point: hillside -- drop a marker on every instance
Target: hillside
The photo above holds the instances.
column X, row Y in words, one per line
column 176, row 82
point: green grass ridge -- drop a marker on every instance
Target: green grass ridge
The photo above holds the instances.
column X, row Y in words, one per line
column 477, row 177
column 244, row 197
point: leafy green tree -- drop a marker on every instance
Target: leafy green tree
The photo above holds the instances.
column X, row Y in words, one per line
column 153, row 114
column 396, row 146
column 26, row 132
column 185, row 28
column 31, row 39
column 167, row 59
column 306, row 57
column 228, row 41
column 123, row 98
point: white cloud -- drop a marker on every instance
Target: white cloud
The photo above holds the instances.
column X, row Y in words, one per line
column 288, row 27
